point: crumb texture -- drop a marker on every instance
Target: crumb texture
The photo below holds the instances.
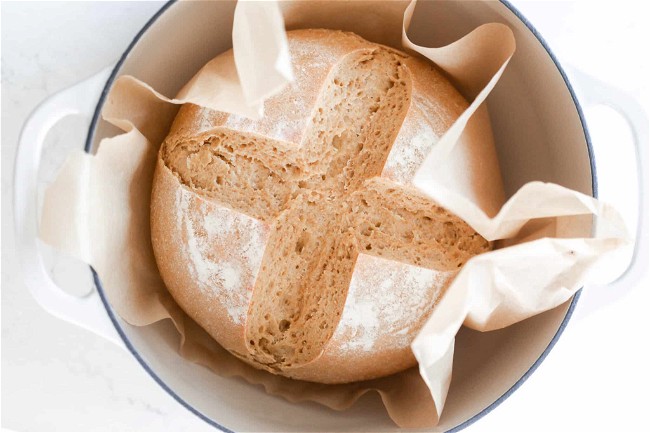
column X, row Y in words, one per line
column 344, row 249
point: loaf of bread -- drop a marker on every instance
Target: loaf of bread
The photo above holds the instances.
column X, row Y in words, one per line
column 297, row 241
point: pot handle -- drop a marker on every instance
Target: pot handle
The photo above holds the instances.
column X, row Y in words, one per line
column 87, row 312
column 593, row 92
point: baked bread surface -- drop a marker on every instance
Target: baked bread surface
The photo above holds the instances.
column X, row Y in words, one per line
column 297, row 241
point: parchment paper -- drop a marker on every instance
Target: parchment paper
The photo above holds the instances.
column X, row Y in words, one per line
column 98, row 207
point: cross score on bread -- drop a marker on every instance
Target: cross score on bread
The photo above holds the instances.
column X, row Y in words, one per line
column 325, row 202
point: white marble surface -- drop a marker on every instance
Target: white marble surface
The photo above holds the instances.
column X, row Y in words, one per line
column 56, row 376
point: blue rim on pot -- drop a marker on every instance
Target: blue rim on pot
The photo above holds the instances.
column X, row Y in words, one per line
column 497, row 402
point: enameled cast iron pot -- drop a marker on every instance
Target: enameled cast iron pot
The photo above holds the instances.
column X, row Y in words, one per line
column 543, row 138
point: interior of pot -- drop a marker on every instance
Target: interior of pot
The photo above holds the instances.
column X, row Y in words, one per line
column 539, row 136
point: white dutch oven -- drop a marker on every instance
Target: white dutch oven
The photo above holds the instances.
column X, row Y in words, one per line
column 540, row 135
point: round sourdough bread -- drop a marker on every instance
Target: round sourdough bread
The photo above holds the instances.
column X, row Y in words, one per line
column 297, row 241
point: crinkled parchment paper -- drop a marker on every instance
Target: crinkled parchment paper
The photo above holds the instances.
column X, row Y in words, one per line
column 551, row 239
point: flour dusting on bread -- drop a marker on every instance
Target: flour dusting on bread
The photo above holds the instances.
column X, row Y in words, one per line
column 415, row 139
column 383, row 299
column 224, row 250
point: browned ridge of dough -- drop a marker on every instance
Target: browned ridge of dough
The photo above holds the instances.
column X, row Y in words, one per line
column 325, row 203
